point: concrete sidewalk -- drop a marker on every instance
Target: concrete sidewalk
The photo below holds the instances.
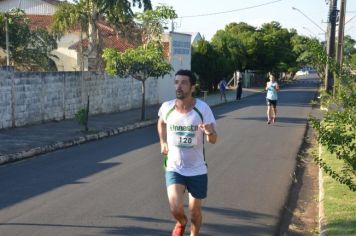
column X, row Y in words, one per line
column 25, row 142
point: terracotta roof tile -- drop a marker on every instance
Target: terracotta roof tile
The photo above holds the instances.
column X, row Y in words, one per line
column 109, row 37
column 40, row 21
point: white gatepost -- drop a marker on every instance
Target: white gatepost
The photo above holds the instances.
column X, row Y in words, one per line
column 179, row 56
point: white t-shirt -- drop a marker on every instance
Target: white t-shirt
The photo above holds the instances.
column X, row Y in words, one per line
column 272, row 90
column 184, row 138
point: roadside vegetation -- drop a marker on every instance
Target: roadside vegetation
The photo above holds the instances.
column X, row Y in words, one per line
column 336, row 133
column 336, row 130
column 339, row 201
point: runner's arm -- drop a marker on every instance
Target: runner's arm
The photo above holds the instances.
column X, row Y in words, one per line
column 212, row 137
column 209, row 131
column 162, row 132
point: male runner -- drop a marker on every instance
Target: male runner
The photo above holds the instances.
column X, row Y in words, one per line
column 182, row 124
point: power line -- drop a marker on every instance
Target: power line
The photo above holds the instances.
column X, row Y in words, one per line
column 224, row 12
column 350, row 19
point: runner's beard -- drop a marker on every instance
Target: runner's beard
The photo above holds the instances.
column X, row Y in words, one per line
column 180, row 95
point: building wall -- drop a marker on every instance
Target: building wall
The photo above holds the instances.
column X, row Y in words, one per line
column 179, row 58
column 33, row 7
column 31, row 98
column 67, row 58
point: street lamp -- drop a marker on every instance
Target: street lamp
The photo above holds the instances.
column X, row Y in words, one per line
column 296, row 9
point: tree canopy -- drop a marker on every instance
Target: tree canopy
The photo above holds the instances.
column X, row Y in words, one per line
column 146, row 60
column 29, row 50
column 269, row 48
column 206, row 63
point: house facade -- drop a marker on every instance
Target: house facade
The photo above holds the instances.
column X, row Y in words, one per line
column 40, row 14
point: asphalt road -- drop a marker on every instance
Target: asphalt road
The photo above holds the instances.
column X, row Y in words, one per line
column 115, row 186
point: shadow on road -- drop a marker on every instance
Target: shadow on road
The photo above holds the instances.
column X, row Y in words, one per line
column 153, row 230
column 27, row 179
column 280, row 120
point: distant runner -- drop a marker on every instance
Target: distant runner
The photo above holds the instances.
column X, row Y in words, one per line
column 272, row 88
column 222, row 87
column 182, row 125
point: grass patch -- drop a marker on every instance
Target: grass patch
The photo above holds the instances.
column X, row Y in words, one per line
column 339, row 202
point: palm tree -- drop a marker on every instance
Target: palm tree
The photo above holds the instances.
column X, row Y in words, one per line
column 86, row 14
column 67, row 18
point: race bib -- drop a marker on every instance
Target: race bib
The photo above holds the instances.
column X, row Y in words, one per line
column 185, row 139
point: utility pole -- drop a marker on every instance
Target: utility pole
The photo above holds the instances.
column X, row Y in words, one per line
column 329, row 80
column 340, row 38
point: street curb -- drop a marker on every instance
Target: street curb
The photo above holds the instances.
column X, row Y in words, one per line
column 8, row 158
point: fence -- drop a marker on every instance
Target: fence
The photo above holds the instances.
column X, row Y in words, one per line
column 34, row 97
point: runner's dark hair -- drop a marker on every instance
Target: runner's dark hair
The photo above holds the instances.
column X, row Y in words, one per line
column 192, row 78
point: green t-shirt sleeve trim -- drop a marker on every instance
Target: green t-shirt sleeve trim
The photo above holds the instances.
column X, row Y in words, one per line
column 169, row 112
column 199, row 113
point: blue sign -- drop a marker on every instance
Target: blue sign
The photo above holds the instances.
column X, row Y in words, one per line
column 181, row 47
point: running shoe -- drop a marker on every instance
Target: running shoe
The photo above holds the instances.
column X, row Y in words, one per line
column 269, row 122
column 178, row 230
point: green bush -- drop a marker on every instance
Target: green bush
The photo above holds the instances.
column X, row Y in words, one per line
column 337, row 128
column 82, row 118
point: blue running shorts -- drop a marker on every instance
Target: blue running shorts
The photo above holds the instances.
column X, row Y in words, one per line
column 197, row 185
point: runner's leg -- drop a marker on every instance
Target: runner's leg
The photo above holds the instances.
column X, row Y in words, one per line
column 274, row 112
column 176, row 202
column 268, row 113
column 195, row 214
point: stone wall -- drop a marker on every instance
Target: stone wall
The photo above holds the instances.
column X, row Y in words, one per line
column 31, row 98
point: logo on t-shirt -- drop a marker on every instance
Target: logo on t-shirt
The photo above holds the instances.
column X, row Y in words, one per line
column 184, row 135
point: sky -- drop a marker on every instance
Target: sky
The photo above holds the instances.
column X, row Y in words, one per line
column 309, row 18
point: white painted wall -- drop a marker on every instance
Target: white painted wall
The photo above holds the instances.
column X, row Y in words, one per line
column 179, row 57
column 68, row 58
